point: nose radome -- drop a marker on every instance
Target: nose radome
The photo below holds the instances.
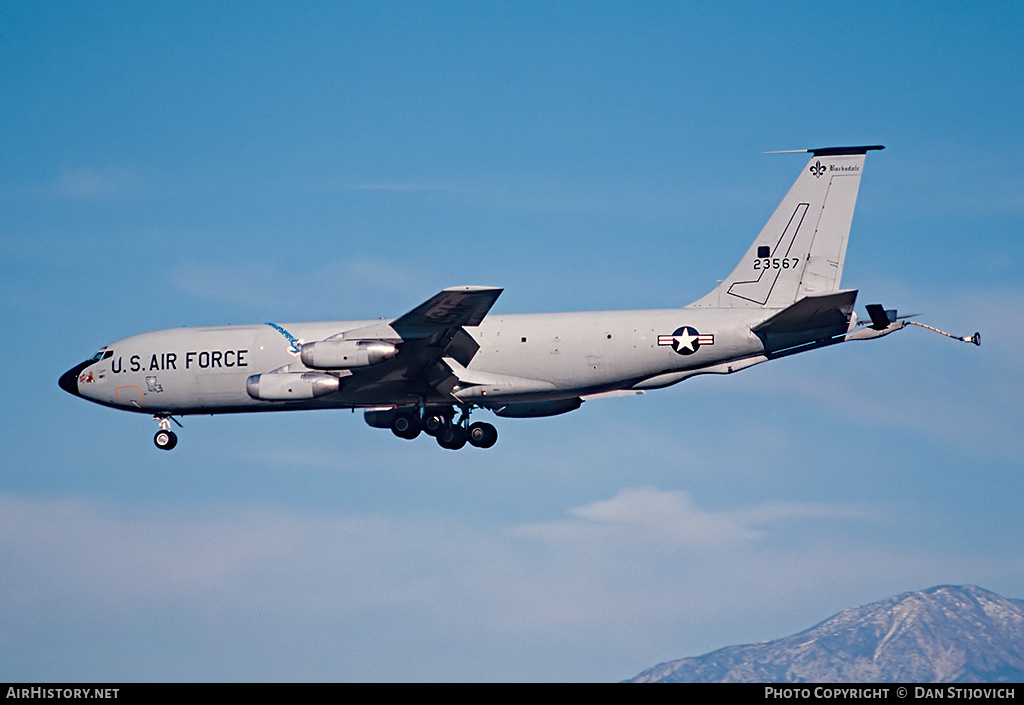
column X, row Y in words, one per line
column 69, row 380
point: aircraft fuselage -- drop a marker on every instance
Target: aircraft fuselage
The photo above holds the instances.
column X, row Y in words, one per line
column 529, row 357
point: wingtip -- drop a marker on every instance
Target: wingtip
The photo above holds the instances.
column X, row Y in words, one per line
column 474, row 288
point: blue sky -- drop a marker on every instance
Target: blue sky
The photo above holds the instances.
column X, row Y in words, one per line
column 170, row 164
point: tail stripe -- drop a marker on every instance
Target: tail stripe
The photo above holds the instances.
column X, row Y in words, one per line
column 760, row 289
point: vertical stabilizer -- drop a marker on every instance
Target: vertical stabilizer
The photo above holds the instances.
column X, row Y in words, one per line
column 801, row 249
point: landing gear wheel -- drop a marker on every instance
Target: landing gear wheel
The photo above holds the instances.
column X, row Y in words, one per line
column 165, row 440
column 452, row 437
column 405, row 426
column 482, row 435
column 434, row 424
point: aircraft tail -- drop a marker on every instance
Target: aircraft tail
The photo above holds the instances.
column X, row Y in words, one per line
column 801, row 249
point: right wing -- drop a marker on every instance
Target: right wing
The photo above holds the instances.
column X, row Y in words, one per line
column 433, row 330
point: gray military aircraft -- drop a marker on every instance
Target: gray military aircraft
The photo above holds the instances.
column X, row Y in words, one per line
column 446, row 357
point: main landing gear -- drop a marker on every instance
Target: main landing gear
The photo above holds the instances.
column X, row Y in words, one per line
column 440, row 423
column 165, row 438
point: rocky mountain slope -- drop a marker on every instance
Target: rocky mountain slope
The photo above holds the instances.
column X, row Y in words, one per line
column 946, row 634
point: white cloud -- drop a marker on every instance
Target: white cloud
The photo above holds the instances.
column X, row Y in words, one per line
column 91, row 184
column 375, row 273
column 671, row 518
column 97, row 184
column 401, row 186
column 430, row 598
column 234, row 282
column 264, row 284
column 644, row 513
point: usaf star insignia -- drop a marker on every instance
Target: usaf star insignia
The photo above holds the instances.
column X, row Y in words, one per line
column 686, row 340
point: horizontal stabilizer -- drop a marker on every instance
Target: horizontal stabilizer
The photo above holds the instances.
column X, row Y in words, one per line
column 812, row 312
column 830, row 151
column 812, row 319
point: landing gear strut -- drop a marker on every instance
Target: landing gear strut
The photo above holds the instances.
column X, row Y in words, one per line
column 453, row 435
column 447, row 423
column 165, row 438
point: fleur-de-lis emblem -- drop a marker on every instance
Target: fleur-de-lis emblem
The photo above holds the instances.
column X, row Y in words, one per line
column 817, row 169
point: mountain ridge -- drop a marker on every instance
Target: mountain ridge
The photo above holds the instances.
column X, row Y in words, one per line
column 945, row 634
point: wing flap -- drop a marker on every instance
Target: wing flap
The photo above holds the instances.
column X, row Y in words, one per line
column 462, row 347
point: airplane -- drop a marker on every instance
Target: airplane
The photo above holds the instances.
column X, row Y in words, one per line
column 447, row 357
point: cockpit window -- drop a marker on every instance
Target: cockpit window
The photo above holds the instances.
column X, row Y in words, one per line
column 102, row 355
column 108, row 353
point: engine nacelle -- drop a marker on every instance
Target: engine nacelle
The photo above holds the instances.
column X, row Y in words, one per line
column 343, row 354
column 291, row 386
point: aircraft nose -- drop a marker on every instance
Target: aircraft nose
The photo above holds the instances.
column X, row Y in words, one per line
column 69, row 380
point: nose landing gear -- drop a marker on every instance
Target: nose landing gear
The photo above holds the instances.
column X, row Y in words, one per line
column 165, row 438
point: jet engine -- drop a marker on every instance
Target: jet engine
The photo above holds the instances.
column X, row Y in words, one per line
column 290, row 386
column 343, row 354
